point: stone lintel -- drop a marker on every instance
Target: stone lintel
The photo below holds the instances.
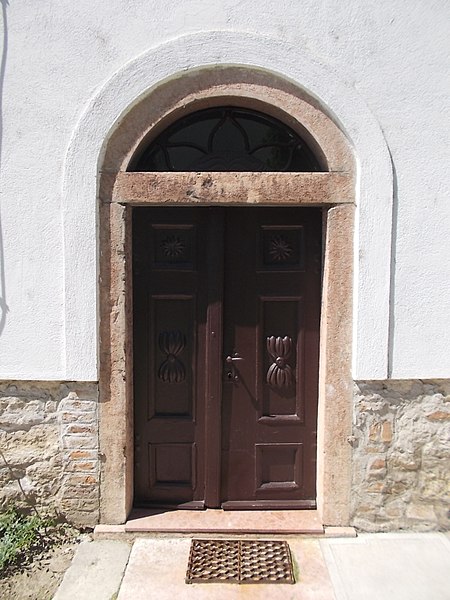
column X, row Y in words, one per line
column 229, row 188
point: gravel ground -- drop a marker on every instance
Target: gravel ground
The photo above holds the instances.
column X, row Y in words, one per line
column 39, row 577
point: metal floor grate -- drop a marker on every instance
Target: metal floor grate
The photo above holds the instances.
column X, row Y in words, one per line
column 239, row 561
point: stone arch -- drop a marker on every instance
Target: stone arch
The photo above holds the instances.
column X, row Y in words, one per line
column 236, row 86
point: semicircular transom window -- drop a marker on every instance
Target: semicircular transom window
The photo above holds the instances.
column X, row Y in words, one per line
column 227, row 139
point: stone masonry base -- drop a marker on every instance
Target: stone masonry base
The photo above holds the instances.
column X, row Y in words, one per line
column 401, row 455
column 49, row 448
column 49, row 453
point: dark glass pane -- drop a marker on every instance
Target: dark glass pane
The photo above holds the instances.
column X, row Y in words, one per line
column 157, row 157
column 227, row 139
column 182, row 158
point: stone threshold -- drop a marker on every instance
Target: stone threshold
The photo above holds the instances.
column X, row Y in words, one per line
column 220, row 522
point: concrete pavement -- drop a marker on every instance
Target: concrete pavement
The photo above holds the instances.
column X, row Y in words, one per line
column 96, row 571
column 397, row 566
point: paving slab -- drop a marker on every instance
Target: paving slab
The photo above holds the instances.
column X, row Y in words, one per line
column 96, row 571
column 401, row 566
column 157, row 570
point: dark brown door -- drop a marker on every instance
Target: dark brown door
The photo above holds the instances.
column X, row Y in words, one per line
column 226, row 313
column 271, row 326
column 170, row 304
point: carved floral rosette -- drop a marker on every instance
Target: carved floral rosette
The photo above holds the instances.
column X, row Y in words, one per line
column 280, row 373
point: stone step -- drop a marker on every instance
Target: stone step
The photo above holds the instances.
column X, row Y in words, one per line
column 219, row 522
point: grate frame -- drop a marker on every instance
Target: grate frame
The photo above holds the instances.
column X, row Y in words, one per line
column 239, row 561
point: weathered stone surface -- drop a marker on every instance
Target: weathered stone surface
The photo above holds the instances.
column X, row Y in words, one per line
column 401, row 455
column 401, row 452
column 49, row 448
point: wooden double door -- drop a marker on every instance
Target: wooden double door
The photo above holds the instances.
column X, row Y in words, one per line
column 226, row 344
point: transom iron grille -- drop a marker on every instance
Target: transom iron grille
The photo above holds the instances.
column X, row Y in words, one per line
column 239, row 561
column 227, row 139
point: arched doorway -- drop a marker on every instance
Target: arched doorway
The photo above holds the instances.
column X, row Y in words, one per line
column 329, row 192
column 226, row 374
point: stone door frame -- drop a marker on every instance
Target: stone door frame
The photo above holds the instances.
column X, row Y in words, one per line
column 120, row 190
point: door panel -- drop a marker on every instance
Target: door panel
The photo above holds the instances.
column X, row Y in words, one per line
column 272, row 308
column 229, row 422
column 170, row 301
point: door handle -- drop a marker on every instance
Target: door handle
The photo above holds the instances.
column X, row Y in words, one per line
column 232, row 372
column 231, row 359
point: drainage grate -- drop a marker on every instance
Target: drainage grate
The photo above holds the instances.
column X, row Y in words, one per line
column 239, row 561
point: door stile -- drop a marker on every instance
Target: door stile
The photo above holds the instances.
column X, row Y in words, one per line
column 214, row 344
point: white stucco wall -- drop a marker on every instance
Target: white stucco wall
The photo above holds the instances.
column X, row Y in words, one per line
column 390, row 61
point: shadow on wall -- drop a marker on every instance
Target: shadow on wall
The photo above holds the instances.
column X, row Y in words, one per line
column 3, row 305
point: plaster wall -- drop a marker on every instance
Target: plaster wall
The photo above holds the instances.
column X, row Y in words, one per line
column 58, row 60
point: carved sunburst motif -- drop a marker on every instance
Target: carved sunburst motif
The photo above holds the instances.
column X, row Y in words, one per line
column 280, row 249
column 172, row 246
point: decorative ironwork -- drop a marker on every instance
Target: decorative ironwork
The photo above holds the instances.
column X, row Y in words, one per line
column 280, row 249
column 172, row 246
column 239, row 561
column 227, row 139
column 172, row 343
column 280, row 373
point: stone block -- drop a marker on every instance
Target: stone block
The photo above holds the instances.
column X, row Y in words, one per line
column 69, row 504
column 386, row 432
column 79, row 492
column 397, row 488
column 434, row 487
column 82, row 454
column 377, row 487
column 76, row 466
column 439, row 415
column 81, row 479
column 76, row 405
column 374, row 432
column 80, row 429
column 86, row 519
column 421, row 512
column 69, row 417
column 89, row 416
column 395, row 509
column 377, row 464
column 377, row 468
column 403, row 461
column 78, row 441
column 88, row 505
column 443, row 515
